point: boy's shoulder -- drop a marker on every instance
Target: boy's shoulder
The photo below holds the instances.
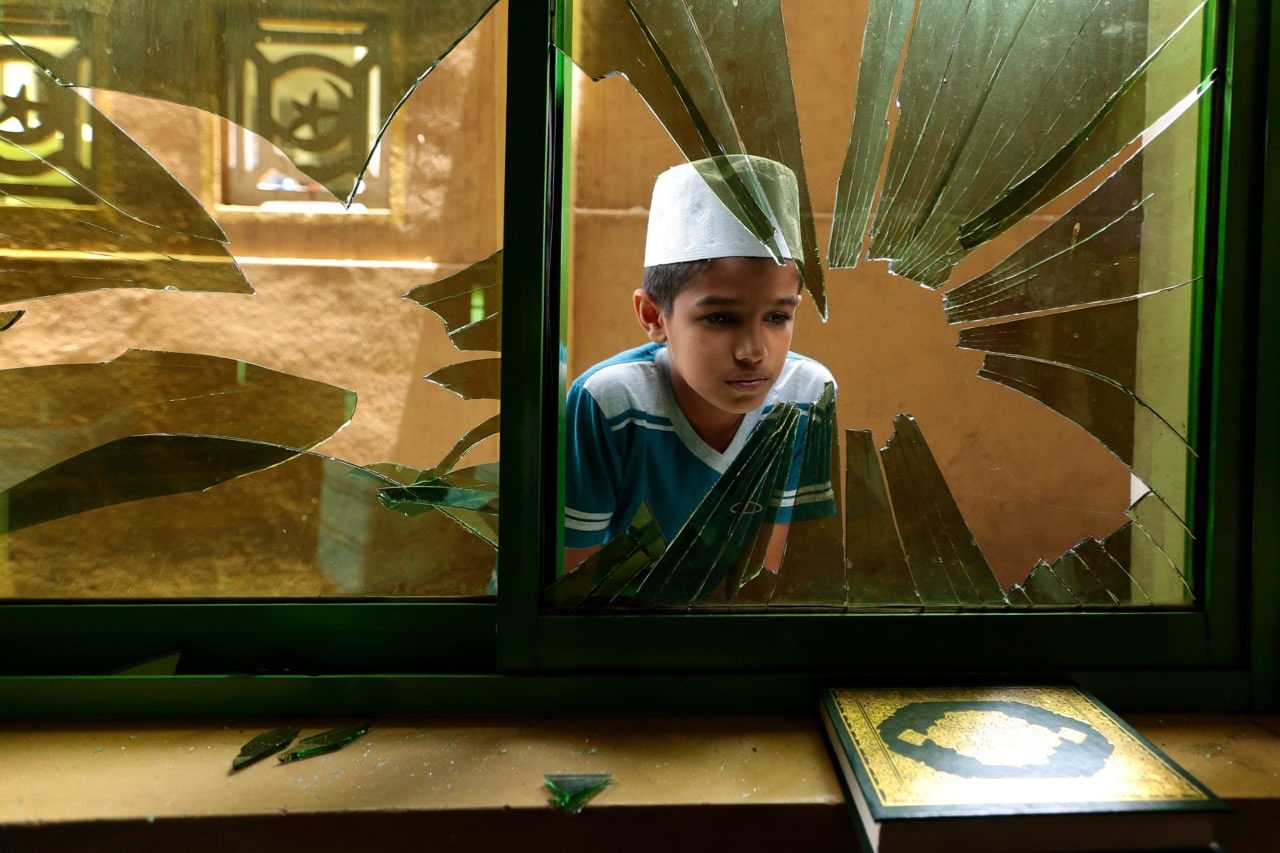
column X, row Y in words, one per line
column 632, row 380
column 802, row 379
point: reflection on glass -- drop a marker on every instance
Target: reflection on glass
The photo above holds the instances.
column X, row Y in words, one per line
column 222, row 455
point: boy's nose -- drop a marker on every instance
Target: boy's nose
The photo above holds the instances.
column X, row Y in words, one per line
column 750, row 348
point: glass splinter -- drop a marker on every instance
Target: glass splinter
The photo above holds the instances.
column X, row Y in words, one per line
column 455, row 298
column 326, row 742
column 480, row 379
column 571, row 792
column 264, row 745
column 8, row 318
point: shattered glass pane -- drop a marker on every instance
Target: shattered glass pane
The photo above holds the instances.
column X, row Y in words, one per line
column 685, row 58
column 198, row 436
column 1050, row 155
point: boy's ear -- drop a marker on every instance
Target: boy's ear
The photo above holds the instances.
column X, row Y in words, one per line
column 649, row 313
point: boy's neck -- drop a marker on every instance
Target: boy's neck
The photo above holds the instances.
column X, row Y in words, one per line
column 715, row 427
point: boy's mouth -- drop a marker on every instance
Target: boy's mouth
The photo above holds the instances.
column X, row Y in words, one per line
column 748, row 383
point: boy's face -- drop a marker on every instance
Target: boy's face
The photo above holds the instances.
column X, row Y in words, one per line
column 727, row 339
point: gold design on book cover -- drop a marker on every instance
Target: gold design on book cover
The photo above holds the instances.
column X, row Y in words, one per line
column 1012, row 745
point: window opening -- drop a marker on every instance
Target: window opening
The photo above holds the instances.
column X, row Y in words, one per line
column 1041, row 190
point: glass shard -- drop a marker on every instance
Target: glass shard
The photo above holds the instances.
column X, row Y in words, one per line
column 946, row 562
column 459, row 298
column 190, row 67
column 992, row 97
column 1108, row 413
column 163, row 665
column 1043, row 587
column 888, row 22
column 8, row 318
column 878, row 569
column 326, row 742
column 612, row 571
column 686, row 58
column 1090, row 340
column 1090, row 254
column 54, row 412
column 813, row 569
column 133, row 226
column 717, row 540
column 1161, row 548
column 485, row 429
column 310, row 526
column 263, row 746
column 479, row 379
column 135, row 468
column 1118, row 121
column 571, row 792
column 426, row 494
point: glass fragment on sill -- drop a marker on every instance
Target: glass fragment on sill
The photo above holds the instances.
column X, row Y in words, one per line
column 717, row 76
column 878, row 569
column 469, row 302
column 326, row 742
column 570, row 792
column 1092, row 253
column 264, row 746
column 8, row 318
column 311, row 524
column 946, row 562
column 479, row 379
column 54, row 412
column 131, row 225
column 968, row 134
column 1043, row 587
column 188, row 70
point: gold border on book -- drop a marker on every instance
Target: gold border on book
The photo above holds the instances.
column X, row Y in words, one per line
column 1131, row 774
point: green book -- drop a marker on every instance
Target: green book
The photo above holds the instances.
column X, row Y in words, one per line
column 996, row 769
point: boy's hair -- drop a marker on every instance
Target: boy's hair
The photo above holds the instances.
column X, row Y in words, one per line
column 664, row 282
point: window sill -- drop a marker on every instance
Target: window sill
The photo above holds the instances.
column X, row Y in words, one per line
column 476, row 783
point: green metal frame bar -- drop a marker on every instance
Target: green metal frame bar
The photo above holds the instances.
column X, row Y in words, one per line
column 526, row 537
column 1265, row 578
column 136, row 697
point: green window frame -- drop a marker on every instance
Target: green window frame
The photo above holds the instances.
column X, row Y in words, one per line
column 267, row 657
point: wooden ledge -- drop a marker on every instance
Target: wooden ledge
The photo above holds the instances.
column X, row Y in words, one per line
column 456, row 783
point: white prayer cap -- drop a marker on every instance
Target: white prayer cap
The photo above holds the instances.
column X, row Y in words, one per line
column 688, row 221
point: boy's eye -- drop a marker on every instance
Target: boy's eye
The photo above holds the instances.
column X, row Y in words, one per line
column 779, row 318
column 718, row 319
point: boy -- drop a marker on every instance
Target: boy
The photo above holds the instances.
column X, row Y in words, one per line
column 662, row 422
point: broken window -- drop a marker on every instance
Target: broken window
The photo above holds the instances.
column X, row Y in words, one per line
column 211, row 401
column 1012, row 279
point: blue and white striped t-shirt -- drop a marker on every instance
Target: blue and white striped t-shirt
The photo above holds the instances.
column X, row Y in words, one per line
column 628, row 442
